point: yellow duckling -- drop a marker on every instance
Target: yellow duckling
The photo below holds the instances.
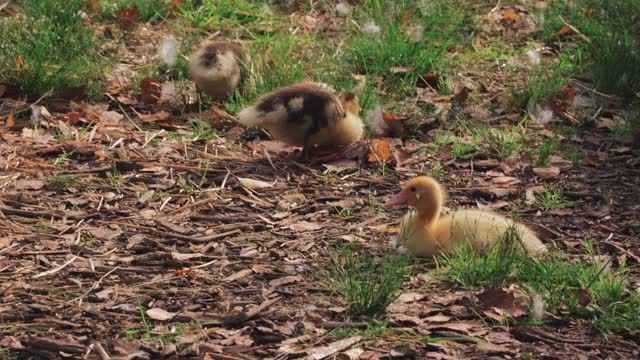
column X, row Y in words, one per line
column 305, row 114
column 215, row 67
column 427, row 233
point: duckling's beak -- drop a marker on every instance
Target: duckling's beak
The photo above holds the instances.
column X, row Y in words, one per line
column 400, row 198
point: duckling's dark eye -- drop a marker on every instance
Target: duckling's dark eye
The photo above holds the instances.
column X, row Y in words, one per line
column 413, row 189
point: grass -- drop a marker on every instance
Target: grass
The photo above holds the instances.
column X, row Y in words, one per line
column 62, row 158
column 367, row 283
column 545, row 150
column 280, row 63
column 552, row 200
column 492, row 267
column 64, row 181
column 51, row 49
column 612, row 28
column 542, row 84
column 590, row 289
column 225, row 14
column 202, row 130
column 504, row 143
column 148, row 10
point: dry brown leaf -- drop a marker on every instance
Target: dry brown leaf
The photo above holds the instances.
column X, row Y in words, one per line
column 160, row 314
column 512, row 16
column 255, row 184
column 155, row 117
column 380, row 151
column 565, row 29
column 10, row 122
column 304, row 226
column 393, row 123
column 129, row 17
column 239, row 275
column 547, row 172
column 150, row 91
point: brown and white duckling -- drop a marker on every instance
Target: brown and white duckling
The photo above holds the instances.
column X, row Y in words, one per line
column 427, row 233
column 305, row 114
column 216, row 68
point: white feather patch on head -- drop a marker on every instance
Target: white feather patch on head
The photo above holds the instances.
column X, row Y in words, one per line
column 168, row 51
column 296, row 104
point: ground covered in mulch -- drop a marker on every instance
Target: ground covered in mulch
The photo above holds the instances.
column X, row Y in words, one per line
column 141, row 244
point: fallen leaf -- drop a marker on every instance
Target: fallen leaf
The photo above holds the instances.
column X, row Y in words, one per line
column 304, row 226
column 393, row 123
column 150, row 91
column 547, row 172
column 10, row 122
column 255, row 184
column 410, row 297
column 155, row 117
column 439, row 318
column 30, row 184
column 129, row 17
column 380, row 151
column 160, row 314
column 239, row 275
column 183, row 257
column 460, row 94
column 340, row 165
column 512, row 16
column 565, row 29
column 286, row 280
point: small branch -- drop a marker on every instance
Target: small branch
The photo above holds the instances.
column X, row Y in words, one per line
column 53, row 271
column 583, row 36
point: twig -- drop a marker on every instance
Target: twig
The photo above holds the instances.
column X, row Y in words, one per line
column 102, row 352
column 53, row 271
column 583, row 36
column 240, row 318
column 95, row 284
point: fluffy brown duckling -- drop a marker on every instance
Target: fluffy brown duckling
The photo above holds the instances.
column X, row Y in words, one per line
column 305, row 114
column 216, row 68
column 427, row 233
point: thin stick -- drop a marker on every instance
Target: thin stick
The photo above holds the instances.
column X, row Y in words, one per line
column 95, row 284
column 53, row 271
column 583, row 36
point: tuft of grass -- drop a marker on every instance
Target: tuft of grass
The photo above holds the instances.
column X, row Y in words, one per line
column 612, row 28
column 368, row 283
column 392, row 49
column 552, row 200
column 202, row 130
column 64, row 181
column 545, row 150
column 224, row 14
column 491, row 267
column 464, row 151
column 50, row 47
column 62, row 158
column 501, row 142
column 148, row 10
column 286, row 63
column 542, row 84
column 116, row 179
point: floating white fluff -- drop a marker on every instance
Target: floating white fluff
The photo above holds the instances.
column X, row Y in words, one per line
column 533, row 56
column 371, row 28
column 168, row 51
column 344, row 9
column 537, row 307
